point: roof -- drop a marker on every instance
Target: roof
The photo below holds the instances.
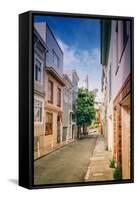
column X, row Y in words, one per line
column 67, row 79
column 72, row 71
column 55, row 74
column 40, row 39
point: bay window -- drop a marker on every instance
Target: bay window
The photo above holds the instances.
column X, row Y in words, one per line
column 38, row 70
column 37, row 111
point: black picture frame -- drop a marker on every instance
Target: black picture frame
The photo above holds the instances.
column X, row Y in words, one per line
column 26, row 93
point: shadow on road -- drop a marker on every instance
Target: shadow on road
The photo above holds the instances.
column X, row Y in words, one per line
column 94, row 135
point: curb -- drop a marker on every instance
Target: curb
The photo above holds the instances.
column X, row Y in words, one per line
column 89, row 165
column 64, row 145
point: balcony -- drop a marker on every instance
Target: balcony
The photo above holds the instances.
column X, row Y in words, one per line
column 39, row 88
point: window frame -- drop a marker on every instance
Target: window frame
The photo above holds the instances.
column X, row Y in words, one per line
column 40, row 61
column 51, row 100
column 57, row 58
column 41, row 101
column 125, row 34
column 110, row 82
column 124, row 43
column 117, row 49
column 58, row 96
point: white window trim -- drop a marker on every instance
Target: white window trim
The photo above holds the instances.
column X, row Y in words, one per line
column 41, row 61
column 42, row 101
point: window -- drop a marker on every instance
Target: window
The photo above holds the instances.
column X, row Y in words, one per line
column 117, row 49
column 125, row 37
column 66, row 92
column 38, row 70
column 58, row 96
column 37, row 111
column 65, row 95
column 55, row 59
column 50, row 91
column 49, row 123
column 70, row 118
column 125, row 32
column 70, row 97
column 73, row 117
column 110, row 82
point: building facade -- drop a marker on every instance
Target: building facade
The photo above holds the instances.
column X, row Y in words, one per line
column 67, row 110
column 40, row 50
column 73, row 76
column 116, row 80
column 85, row 84
column 53, row 83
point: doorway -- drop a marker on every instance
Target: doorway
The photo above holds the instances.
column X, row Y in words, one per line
column 126, row 138
column 58, row 129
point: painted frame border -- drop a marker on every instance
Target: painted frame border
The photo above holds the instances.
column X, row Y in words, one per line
column 28, row 153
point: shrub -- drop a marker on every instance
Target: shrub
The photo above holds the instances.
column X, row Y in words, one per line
column 117, row 175
column 112, row 163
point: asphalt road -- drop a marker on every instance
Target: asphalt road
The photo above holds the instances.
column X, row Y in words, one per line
column 66, row 165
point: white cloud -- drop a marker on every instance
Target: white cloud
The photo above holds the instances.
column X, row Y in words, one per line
column 85, row 62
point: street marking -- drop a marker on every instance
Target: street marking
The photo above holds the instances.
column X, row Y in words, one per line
column 87, row 174
column 98, row 174
column 88, row 170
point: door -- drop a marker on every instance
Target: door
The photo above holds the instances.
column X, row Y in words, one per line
column 64, row 135
column 73, row 131
column 58, row 129
column 126, row 139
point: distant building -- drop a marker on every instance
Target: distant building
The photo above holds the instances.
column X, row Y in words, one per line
column 67, row 109
column 98, row 107
column 85, row 83
column 116, row 80
column 72, row 74
column 95, row 91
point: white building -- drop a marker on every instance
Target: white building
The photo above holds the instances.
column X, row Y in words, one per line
column 116, row 62
column 85, row 83
column 73, row 76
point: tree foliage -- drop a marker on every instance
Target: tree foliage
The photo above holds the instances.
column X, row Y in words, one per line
column 85, row 107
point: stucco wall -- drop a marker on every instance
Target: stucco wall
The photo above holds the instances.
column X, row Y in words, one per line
column 51, row 140
column 118, row 78
column 56, row 84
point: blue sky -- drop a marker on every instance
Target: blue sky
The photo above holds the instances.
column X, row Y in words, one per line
column 79, row 39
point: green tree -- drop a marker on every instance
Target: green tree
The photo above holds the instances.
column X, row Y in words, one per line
column 85, row 109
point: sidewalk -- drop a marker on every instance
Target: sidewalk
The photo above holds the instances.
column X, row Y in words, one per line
column 98, row 169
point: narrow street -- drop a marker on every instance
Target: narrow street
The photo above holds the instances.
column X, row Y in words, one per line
column 66, row 165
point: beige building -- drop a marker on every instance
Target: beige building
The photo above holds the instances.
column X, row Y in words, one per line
column 53, row 109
